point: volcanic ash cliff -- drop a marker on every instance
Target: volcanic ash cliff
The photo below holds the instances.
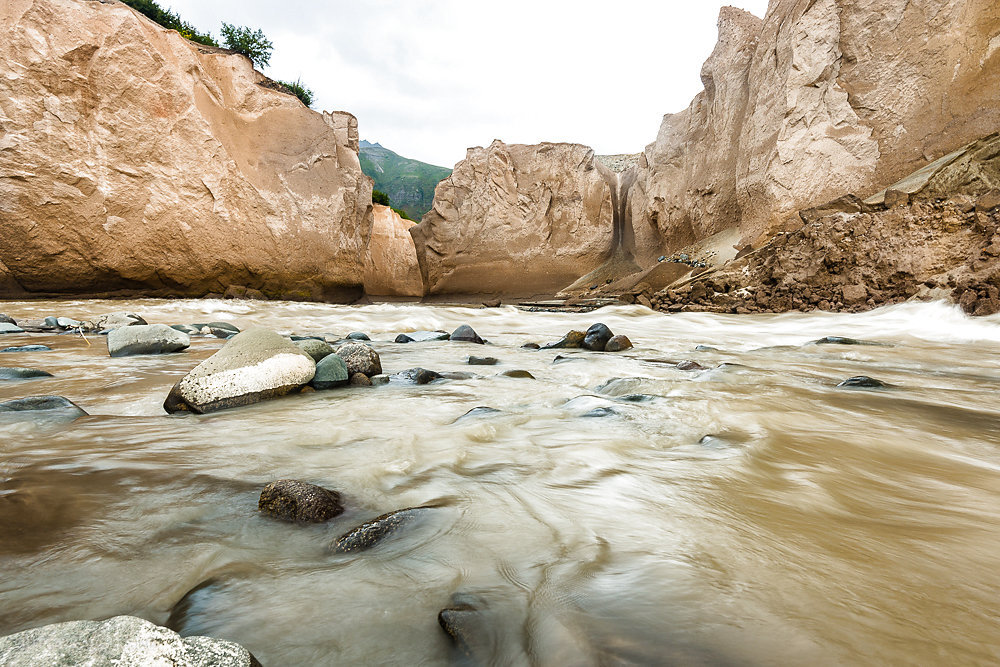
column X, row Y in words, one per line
column 134, row 160
column 516, row 219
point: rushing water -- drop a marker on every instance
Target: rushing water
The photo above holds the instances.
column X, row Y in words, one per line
column 817, row 525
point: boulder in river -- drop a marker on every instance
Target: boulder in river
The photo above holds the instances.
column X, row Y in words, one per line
column 358, row 335
column 293, row 500
column 8, row 328
column 863, row 382
column 146, row 339
column 360, row 358
column 117, row 319
column 422, row 336
column 43, row 407
column 597, row 337
column 518, row 373
column 618, row 343
column 122, row 640
column 361, row 380
column 317, row 349
column 466, row 334
column 417, row 376
column 372, row 532
column 255, row 365
column 19, row 373
column 482, row 361
column 571, row 340
column 28, row 348
column 331, row 372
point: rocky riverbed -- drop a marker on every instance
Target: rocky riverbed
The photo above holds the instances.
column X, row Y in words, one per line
column 762, row 489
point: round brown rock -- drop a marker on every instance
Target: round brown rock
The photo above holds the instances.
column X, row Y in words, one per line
column 360, row 359
column 618, row 344
column 360, row 380
column 292, row 500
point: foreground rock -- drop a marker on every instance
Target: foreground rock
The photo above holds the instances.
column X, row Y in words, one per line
column 123, row 640
column 372, row 532
column 255, row 365
column 331, row 372
column 466, row 334
column 597, row 337
column 618, row 343
column 516, row 218
column 292, row 500
column 8, row 328
column 146, row 339
column 317, row 349
column 208, row 179
column 42, row 407
column 391, row 267
column 360, row 358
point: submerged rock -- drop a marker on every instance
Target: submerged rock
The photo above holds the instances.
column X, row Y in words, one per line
column 122, row 640
column 571, row 340
column 531, row 346
column 597, row 337
column 293, row 500
column 618, row 343
column 417, row 376
column 360, row 380
column 422, row 336
column 372, row 532
column 358, row 335
column 19, row 373
column 331, row 372
column 463, row 621
column 863, row 382
column 43, row 407
column 403, row 338
column 466, row 334
column 28, row 348
column 518, row 373
column 360, row 358
column 317, row 349
column 255, row 365
column 481, row 411
column 483, row 361
column 146, row 339
column 840, row 340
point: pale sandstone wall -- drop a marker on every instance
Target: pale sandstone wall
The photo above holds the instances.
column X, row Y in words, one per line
column 516, row 219
column 391, row 267
column 132, row 159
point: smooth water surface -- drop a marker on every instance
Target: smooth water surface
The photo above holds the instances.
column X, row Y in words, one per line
column 748, row 513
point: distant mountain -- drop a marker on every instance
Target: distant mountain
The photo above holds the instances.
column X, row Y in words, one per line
column 409, row 183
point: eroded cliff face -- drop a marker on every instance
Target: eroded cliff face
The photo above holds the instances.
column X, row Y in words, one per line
column 132, row 159
column 819, row 98
column 391, row 259
column 516, row 219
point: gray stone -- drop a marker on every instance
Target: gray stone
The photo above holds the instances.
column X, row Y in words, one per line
column 19, row 373
column 117, row 319
column 358, row 335
column 466, row 334
column 42, row 407
column 50, row 322
column 224, row 325
column 483, row 361
column 597, row 337
column 317, row 349
column 863, row 382
column 6, row 319
column 372, row 532
column 380, row 379
column 123, row 640
column 292, row 500
column 618, row 344
column 146, row 339
column 28, row 348
column 360, row 359
column 255, row 365
column 331, row 371
column 423, row 336
column 186, row 328
column 7, row 328
column 417, row 376
column 68, row 322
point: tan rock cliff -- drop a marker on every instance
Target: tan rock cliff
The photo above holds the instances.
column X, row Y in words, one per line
column 391, row 267
column 516, row 219
column 132, row 159
column 819, row 98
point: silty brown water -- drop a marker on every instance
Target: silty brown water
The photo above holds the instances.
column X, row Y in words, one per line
column 748, row 513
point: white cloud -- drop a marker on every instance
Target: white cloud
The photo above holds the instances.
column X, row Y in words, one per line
column 430, row 78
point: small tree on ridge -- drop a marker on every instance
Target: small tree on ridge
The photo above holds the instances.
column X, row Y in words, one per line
column 251, row 43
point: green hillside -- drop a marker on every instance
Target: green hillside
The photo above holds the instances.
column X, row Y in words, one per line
column 409, row 183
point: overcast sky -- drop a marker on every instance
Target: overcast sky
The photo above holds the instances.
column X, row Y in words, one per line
column 429, row 78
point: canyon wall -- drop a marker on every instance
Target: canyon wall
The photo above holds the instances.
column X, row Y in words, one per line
column 391, row 267
column 132, row 160
column 516, row 219
column 818, row 99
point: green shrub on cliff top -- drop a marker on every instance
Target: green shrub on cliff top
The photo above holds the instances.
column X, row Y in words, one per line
column 300, row 91
column 379, row 197
column 170, row 20
column 251, row 43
